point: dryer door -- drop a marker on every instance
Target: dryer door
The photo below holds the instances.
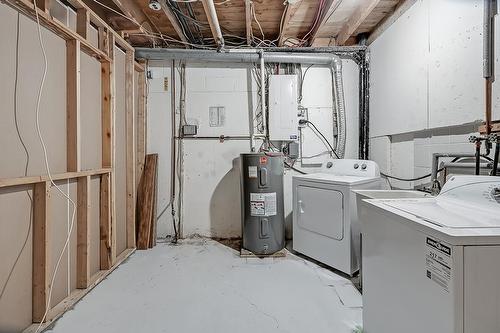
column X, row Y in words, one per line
column 321, row 210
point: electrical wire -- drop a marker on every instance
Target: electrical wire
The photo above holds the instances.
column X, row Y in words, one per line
column 25, row 148
column 295, row 169
column 47, row 166
column 324, row 138
column 409, row 179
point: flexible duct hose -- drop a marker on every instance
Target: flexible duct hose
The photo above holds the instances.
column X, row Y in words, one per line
column 339, row 107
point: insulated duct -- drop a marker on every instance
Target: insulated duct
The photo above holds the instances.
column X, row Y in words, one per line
column 238, row 56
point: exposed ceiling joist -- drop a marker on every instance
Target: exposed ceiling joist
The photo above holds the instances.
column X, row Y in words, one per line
column 248, row 21
column 290, row 11
column 132, row 10
column 331, row 6
column 209, row 7
column 353, row 23
column 173, row 20
column 401, row 8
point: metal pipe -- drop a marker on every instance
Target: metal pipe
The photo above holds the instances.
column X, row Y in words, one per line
column 219, row 138
column 467, row 165
column 478, row 157
column 490, row 10
column 495, row 158
column 324, row 59
column 263, row 97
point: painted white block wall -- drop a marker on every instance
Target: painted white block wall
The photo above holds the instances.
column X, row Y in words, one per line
column 427, row 89
column 210, row 186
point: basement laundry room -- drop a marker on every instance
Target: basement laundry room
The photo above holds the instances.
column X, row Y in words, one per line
column 250, row 166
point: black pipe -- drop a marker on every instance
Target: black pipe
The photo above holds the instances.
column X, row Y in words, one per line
column 478, row 157
column 364, row 104
column 495, row 159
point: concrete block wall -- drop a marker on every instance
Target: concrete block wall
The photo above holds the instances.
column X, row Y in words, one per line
column 210, row 182
column 427, row 90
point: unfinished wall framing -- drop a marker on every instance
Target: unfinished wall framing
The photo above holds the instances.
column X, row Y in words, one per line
column 78, row 172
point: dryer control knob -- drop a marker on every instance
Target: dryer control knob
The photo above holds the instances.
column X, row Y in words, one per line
column 329, row 165
column 363, row 166
column 356, row 166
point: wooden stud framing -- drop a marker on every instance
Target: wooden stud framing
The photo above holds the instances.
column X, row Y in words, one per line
column 83, row 233
column 105, row 223
column 141, row 126
column 359, row 16
column 248, row 21
column 41, row 250
column 44, row 5
column 68, row 303
column 77, row 42
column 130, row 147
column 82, row 22
column 73, row 105
column 9, row 182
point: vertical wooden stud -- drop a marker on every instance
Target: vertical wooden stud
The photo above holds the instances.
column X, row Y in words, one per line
column 141, row 126
column 73, row 104
column 44, row 5
column 105, row 223
column 130, row 148
column 82, row 22
column 41, row 250
column 82, row 232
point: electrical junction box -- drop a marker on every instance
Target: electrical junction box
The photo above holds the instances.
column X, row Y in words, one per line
column 283, row 108
column 189, row 130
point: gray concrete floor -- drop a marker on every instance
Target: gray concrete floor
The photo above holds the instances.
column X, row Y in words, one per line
column 204, row 286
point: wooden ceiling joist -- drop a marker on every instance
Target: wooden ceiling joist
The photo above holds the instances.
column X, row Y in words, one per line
column 353, row 23
column 173, row 20
column 290, row 11
column 133, row 11
column 400, row 9
column 331, row 6
column 248, row 21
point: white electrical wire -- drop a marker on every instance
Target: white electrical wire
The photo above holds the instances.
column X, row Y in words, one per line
column 47, row 167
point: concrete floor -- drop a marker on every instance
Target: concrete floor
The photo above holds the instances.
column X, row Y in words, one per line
column 204, row 286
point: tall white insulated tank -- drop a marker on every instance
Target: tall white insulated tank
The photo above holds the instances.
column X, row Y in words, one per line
column 263, row 219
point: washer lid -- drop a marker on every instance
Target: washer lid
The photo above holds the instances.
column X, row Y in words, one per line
column 464, row 202
column 336, row 179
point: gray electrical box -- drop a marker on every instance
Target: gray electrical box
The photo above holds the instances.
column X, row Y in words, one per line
column 189, row 130
column 263, row 220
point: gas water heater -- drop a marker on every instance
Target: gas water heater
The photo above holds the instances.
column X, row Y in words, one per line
column 263, row 221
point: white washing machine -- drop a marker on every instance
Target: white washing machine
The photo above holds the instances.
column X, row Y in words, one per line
column 325, row 223
column 433, row 265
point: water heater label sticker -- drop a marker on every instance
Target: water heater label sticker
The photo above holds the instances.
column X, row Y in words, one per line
column 438, row 262
column 263, row 204
column 252, row 172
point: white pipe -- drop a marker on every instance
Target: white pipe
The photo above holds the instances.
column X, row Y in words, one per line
column 211, row 13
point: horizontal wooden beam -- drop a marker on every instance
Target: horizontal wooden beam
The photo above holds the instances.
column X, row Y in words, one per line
column 400, row 9
column 57, row 311
column 9, row 182
column 331, row 7
column 354, row 22
column 495, row 127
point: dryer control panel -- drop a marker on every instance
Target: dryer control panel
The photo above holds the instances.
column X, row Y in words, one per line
column 348, row 167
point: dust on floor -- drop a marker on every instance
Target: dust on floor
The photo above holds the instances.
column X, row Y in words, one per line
column 203, row 286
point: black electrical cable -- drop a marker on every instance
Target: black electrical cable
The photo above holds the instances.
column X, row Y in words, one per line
column 409, row 179
column 324, row 138
column 295, row 169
